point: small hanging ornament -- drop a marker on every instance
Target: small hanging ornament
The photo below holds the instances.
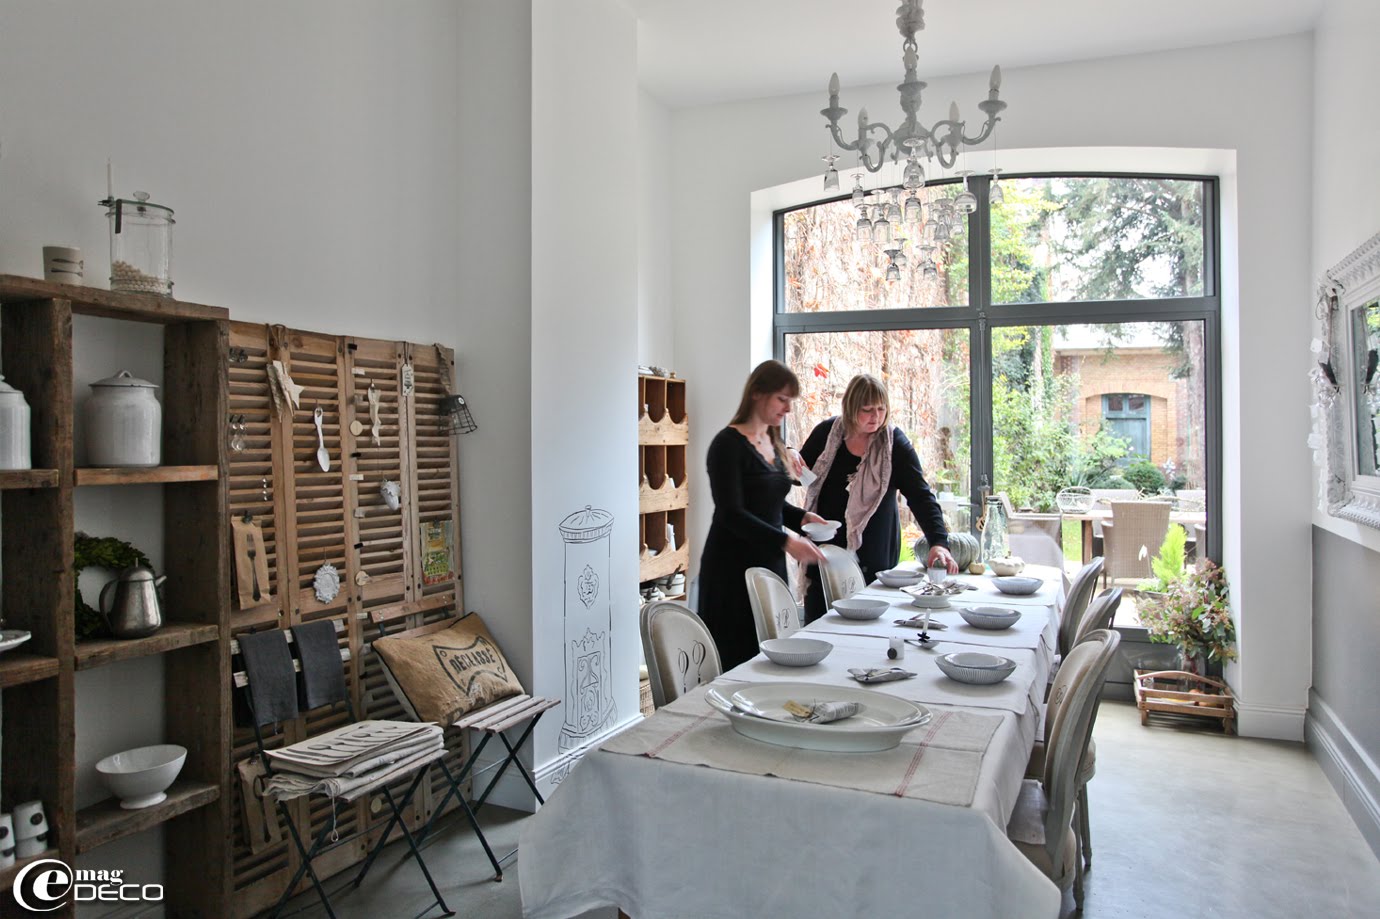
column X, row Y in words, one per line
column 326, row 583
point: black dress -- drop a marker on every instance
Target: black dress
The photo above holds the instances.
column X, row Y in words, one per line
column 881, row 541
column 749, row 510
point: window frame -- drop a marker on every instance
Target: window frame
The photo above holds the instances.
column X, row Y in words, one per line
column 980, row 316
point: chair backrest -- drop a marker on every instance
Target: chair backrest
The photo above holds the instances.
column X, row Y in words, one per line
column 1079, row 595
column 1134, row 524
column 1099, row 614
column 1073, row 705
column 1037, row 538
column 774, row 610
column 680, row 652
column 284, row 663
column 841, row 575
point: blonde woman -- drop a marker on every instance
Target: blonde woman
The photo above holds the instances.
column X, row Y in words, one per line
column 861, row 462
column 750, row 473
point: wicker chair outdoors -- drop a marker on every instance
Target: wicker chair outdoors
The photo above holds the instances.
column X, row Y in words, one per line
column 1134, row 525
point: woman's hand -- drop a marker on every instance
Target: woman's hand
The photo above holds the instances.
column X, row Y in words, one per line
column 811, row 517
column 797, row 462
column 803, row 551
column 939, row 556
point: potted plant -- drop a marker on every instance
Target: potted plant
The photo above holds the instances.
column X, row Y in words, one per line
column 1192, row 612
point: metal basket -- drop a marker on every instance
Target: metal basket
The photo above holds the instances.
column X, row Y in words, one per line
column 1074, row 500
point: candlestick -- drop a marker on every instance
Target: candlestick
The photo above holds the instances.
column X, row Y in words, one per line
column 109, row 180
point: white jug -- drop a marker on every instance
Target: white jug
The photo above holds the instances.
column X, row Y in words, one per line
column 124, row 422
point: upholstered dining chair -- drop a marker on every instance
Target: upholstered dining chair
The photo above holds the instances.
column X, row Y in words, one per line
column 680, row 652
column 1134, row 524
column 1099, row 614
column 1043, row 822
column 1076, row 602
column 841, row 575
column 774, row 610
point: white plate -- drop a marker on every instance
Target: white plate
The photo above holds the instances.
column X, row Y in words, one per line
column 12, row 638
column 821, row 532
column 881, row 724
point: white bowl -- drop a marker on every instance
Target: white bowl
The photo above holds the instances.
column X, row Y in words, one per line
column 12, row 638
column 930, row 601
column 796, row 652
column 975, row 667
column 861, row 609
column 900, row 577
column 1017, row 587
column 821, row 532
column 990, row 617
column 139, row 777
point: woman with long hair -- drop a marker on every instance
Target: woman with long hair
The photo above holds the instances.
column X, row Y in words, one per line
column 861, row 461
column 750, row 473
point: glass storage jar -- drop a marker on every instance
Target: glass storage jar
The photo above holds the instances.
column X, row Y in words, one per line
column 140, row 245
column 994, row 530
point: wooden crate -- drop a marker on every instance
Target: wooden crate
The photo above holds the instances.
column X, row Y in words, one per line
column 1178, row 692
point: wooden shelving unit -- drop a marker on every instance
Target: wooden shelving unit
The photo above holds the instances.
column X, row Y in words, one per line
column 36, row 551
column 663, row 437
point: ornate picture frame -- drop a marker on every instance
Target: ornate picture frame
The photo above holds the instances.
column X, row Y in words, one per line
column 1346, row 388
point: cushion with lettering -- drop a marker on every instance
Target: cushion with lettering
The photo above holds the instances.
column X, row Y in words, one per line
column 445, row 674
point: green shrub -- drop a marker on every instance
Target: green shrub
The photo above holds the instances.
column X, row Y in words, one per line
column 1145, row 476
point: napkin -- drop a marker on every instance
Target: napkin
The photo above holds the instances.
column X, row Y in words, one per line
column 823, row 712
column 879, row 674
column 919, row 622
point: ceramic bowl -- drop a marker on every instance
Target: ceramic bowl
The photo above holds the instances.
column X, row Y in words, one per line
column 1006, row 567
column 930, row 601
column 821, row 532
column 990, row 617
column 900, row 577
column 139, row 777
column 975, row 667
column 796, row 652
column 12, row 638
column 1017, row 587
column 861, row 609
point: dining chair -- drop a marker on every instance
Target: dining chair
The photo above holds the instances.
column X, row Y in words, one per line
column 1042, row 824
column 680, row 652
column 1079, row 595
column 1134, row 525
column 774, row 610
column 840, row 574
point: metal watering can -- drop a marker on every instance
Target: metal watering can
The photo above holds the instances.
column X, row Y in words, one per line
column 134, row 611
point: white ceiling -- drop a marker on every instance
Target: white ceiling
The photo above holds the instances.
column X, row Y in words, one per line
column 693, row 52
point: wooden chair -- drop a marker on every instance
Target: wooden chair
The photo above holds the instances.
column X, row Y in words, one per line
column 1076, row 602
column 840, row 575
column 325, row 840
column 680, row 652
column 774, row 610
column 493, row 720
column 1042, row 823
column 1134, row 525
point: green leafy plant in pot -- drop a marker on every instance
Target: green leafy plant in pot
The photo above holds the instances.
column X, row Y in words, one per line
column 1194, row 614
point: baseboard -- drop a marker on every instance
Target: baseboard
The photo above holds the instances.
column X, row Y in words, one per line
column 1350, row 769
column 512, row 792
column 1270, row 722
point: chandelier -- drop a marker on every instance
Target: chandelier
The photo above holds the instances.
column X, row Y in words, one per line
column 876, row 143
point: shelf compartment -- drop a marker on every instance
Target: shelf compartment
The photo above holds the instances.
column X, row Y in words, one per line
column 7, row 875
column 28, row 478
column 102, row 475
column 170, row 637
column 106, row 821
column 97, row 301
column 18, row 668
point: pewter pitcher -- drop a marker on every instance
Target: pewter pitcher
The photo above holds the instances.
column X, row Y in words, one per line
column 134, row 612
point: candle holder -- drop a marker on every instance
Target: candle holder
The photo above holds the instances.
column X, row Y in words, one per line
column 140, row 244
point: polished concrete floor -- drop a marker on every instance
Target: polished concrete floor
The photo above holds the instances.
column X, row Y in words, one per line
column 1185, row 823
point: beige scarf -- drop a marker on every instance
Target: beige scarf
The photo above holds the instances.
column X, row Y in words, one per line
column 866, row 487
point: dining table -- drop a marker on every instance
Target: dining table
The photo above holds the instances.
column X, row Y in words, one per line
column 679, row 815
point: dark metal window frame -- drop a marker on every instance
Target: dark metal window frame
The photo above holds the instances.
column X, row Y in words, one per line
column 980, row 316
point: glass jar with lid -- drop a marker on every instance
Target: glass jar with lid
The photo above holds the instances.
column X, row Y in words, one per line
column 140, row 245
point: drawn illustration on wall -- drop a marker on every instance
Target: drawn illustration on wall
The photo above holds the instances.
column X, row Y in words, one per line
column 589, row 707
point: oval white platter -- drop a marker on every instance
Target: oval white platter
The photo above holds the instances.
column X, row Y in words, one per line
column 881, row 724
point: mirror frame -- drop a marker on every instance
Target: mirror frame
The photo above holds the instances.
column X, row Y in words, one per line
column 1350, row 284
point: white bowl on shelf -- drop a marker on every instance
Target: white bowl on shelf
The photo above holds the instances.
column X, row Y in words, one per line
column 796, row 652
column 900, row 577
column 13, row 638
column 821, row 532
column 140, row 777
column 975, row 667
column 855, row 608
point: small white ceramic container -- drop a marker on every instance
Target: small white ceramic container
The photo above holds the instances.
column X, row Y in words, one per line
column 6, row 840
column 990, row 617
column 796, row 652
column 1006, row 567
column 124, row 422
column 861, row 609
column 900, row 577
column 15, row 450
column 63, row 264
column 30, row 829
column 975, row 667
column 1017, row 587
column 140, row 777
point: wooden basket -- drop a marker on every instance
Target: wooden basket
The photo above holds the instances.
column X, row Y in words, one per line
column 1178, row 692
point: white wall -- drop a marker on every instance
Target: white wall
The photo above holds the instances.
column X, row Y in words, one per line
column 583, row 359
column 655, row 332
column 1232, row 98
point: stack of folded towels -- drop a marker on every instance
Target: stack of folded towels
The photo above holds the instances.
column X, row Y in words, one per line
column 353, row 759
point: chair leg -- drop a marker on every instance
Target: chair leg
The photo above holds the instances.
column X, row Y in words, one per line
column 411, row 844
column 454, row 790
column 305, row 867
column 1084, row 829
column 388, row 829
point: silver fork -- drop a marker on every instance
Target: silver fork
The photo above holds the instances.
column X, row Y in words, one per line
column 253, row 568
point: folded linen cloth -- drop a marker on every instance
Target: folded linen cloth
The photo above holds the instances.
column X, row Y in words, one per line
column 323, row 673
column 823, row 712
column 285, row 786
column 272, row 682
column 879, row 674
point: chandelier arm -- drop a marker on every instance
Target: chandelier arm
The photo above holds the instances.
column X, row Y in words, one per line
column 986, row 132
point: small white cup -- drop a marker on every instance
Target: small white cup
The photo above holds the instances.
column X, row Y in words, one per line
column 6, row 841
column 63, row 264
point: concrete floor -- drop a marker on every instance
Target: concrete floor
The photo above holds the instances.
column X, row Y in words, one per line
column 1185, row 822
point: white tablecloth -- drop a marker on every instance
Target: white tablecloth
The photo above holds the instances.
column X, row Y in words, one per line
column 661, row 839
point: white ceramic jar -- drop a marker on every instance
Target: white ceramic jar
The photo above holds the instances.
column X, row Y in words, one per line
column 14, row 429
column 124, row 422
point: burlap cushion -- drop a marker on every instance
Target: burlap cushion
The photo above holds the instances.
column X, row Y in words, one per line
column 445, row 674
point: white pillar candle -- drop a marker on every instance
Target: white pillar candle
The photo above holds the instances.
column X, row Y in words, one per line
column 109, row 180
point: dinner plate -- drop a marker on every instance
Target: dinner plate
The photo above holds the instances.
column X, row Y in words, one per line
column 12, row 638
column 881, row 724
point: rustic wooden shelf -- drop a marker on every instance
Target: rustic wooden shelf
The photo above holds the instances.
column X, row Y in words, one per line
column 107, row 821
column 18, row 668
column 170, row 637
column 7, row 875
column 28, row 478
column 103, row 475
column 96, row 301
